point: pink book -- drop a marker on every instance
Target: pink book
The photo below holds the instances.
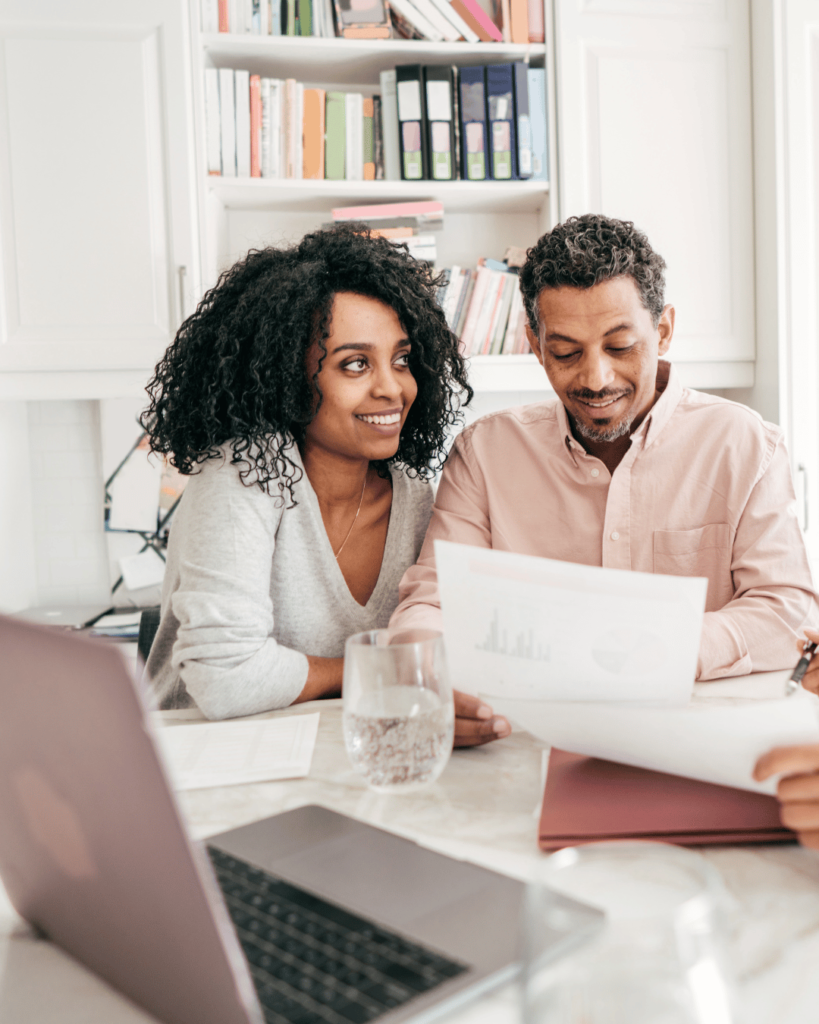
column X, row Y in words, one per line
column 389, row 210
column 483, row 19
column 255, row 126
column 537, row 32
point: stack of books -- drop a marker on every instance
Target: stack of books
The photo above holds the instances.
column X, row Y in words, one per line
column 410, row 224
column 490, row 21
column 429, row 123
column 484, row 308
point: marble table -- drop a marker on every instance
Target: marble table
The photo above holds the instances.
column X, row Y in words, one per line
column 483, row 809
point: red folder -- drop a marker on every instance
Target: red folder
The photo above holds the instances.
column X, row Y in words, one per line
column 587, row 800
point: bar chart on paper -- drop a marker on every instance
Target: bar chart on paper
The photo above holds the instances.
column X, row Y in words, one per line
column 519, row 643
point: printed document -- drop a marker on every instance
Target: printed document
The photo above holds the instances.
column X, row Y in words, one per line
column 533, row 628
column 204, row 754
column 718, row 738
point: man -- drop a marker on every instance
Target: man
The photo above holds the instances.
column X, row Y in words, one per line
column 627, row 469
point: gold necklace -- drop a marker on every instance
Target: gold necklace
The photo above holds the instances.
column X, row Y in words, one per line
column 355, row 518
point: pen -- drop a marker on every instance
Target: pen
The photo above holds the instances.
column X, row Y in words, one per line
column 801, row 668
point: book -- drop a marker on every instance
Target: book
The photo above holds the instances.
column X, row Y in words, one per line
column 224, row 16
column 505, row 21
column 523, row 124
column 389, row 126
column 539, row 124
column 444, row 25
column 242, row 86
column 299, row 131
column 478, row 20
column 446, row 8
column 354, row 136
column 227, row 122
column 378, row 139
column 449, row 300
column 411, row 122
column 363, row 19
column 464, row 303
column 305, row 11
column 500, row 106
column 439, row 85
column 255, row 126
column 276, row 136
column 209, row 16
column 498, row 331
column 425, row 212
column 537, row 28
column 275, row 17
column 292, row 127
column 482, row 282
column 409, row 12
column 264, row 133
column 335, row 136
column 367, row 139
column 212, row 125
column 474, row 134
column 509, row 345
column 313, row 133
column 519, row 21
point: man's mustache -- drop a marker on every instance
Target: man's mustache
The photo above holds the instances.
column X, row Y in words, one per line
column 584, row 395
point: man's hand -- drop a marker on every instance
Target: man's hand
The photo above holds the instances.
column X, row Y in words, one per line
column 811, row 678
column 475, row 722
column 799, row 791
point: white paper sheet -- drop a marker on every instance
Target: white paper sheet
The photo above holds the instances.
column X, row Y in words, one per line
column 526, row 627
column 205, row 754
column 716, row 740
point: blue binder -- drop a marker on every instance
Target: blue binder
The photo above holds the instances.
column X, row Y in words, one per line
column 540, row 125
column 474, row 135
column 500, row 115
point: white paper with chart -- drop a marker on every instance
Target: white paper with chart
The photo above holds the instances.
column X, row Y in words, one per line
column 533, row 628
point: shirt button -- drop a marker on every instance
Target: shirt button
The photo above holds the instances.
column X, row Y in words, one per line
column 615, row 536
column 595, row 472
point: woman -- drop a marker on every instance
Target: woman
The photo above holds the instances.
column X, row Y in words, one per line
column 308, row 398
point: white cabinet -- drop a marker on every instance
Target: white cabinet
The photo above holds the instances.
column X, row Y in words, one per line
column 654, row 126
column 97, row 191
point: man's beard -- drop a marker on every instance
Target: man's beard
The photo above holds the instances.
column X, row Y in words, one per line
column 623, row 429
column 602, row 432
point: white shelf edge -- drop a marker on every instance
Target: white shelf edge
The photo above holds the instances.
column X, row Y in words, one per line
column 231, row 43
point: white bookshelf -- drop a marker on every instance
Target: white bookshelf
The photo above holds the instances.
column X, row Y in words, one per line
column 480, row 218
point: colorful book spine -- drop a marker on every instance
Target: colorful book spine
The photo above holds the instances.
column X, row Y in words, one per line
column 537, row 28
column 255, row 126
column 478, row 20
column 429, row 209
column 368, row 139
column 378, row 139
column 224, row 16
column 314, row 126
column 335, row 136
column 519, row 21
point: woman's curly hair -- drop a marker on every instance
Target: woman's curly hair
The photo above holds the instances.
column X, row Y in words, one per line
column 236, row 370
column 583, row 251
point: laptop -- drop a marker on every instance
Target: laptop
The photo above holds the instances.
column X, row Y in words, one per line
column 306, row 917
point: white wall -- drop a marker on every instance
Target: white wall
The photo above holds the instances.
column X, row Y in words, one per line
column 17, row 558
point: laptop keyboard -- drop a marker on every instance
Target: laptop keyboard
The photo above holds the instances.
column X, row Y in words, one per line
column 313, row 962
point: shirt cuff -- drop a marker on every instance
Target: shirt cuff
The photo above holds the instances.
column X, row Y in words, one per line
column 723, row 651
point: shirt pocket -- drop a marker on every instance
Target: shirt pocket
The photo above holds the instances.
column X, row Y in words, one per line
column 703, row 552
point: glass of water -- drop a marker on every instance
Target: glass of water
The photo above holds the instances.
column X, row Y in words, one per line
column 398, row 712
column 659, row 959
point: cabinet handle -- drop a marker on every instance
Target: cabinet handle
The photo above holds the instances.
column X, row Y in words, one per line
column 181, row 273
column 803, row 469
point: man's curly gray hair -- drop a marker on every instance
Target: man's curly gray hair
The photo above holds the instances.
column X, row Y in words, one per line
column 583, row 251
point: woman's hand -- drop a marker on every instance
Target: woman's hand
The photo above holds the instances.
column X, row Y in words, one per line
column 475, row 722
column 798, row 792
column 811, row 678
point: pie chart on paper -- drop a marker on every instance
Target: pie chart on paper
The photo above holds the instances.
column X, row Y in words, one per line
column 629, row 652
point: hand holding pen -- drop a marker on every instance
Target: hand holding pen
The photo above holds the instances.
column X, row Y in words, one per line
column 807, row 668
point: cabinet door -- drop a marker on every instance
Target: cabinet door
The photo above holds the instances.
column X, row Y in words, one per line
column 97, row 197
column 654, row 126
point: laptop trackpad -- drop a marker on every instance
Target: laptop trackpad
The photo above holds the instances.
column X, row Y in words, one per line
column 381, row 876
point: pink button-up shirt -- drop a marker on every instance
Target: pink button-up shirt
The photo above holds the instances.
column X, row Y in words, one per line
column 705, row 489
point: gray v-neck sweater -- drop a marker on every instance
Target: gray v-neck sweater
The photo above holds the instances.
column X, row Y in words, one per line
column 252, row 587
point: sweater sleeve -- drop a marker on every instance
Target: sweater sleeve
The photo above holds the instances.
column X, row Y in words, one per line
column 224, row 651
